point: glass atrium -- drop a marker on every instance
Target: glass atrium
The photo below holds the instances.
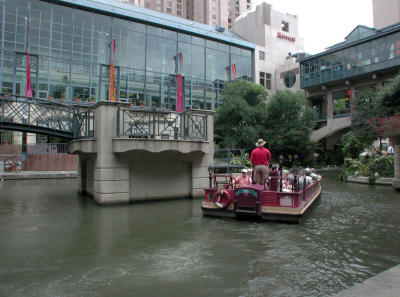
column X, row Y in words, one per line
column 70, row 53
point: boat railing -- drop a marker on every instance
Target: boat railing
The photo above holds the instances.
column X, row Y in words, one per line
column 272, row 197
column 226, row 180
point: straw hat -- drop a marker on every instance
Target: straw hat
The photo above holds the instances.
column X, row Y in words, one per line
column 260, row 142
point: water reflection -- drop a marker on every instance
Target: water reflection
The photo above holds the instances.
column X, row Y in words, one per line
column 57, row 243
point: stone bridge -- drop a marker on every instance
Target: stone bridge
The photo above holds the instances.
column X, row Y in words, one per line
column 125, row 154
column 144, row 154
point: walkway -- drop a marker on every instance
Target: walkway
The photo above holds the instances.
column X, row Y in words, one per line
column 38, row 174
column 385, row 284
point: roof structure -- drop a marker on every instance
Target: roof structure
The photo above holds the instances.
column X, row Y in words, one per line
column 143, row 15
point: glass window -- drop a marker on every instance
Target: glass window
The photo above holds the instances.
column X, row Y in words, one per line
column 378, row 50
column 153, row 53
column 363, row 54
column 186, row 50
column 285, row 26
column 261, row 55
column 198, row 62
column 168, row 55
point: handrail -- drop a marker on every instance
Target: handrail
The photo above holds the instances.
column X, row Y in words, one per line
column 37, row 115
column 160, row 124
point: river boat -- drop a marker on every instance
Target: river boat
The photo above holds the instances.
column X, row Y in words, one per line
column 271, row 201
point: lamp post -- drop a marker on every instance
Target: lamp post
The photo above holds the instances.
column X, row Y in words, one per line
column 210, row 174
column 295, row 172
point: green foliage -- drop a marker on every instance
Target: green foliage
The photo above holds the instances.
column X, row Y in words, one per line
column 240, row 121
column 289, row 122
column 340, row 106
column 383, row 165
column 237, row 160
column 388, row 98
column 352, row 146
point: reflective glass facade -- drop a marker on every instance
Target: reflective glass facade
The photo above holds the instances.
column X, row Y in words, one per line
column 70, row 57
column 374, row 53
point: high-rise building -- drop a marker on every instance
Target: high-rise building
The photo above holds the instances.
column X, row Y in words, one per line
column 385, row 12
column 277, row 40
column 210, row 12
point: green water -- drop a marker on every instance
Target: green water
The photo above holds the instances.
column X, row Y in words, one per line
column 55, row 242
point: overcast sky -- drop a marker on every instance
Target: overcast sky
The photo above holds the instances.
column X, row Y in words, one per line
column 323, row 23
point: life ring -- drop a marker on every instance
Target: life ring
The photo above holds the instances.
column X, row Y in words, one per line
column 222, row 199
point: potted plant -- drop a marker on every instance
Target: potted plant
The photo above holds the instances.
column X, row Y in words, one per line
column 50, row 98
column 91, row 99
column 153, row 104
column 164, row 106
column 76, row 99
column 140, row 103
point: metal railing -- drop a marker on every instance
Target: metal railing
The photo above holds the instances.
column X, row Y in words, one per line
column 160, row 124
column 227, row 159
column 42, row 116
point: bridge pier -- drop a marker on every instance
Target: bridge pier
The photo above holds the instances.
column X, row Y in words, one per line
column 115, row 168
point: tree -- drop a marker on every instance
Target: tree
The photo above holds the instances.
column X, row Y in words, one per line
column 362, row 133
column 289, row 123
column 240, row 121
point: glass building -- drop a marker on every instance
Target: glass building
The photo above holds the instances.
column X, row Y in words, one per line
column 366, row 50
column 366, row 59
column 69, row 45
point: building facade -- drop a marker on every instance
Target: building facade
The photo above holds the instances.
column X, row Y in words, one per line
column 385, row 13
column 365, row 60
column 277, row 39
column 70, row 53
column 70, row 50
column 210, row 12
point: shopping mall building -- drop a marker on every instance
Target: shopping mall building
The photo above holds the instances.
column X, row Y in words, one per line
column 70, row 50
column 367, row 59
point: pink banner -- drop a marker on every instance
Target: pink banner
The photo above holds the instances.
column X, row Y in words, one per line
column 28, row 88
column 179, row 93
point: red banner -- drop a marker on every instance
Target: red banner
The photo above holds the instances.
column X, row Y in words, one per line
column 28, row 88
column 112, row 94
column 179, row 93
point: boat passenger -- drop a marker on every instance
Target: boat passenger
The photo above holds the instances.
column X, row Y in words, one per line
column 314, row 175
column 249, row 173
column 286, row 182
column 260, row 158
column 306, row 177
column 242, row 180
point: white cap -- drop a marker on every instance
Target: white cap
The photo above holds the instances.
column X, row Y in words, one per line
column 244, row 170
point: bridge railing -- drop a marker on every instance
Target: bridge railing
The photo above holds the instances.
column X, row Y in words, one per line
column 83, row 126
column 160, row 124
column 36, row 115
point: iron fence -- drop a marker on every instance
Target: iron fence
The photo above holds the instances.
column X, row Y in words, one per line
column 160, row 124
column 42, row 116
column 226, row 159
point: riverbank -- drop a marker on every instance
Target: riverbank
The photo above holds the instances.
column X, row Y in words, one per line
column 37, row 175
column 384, row 284
column 384, row 181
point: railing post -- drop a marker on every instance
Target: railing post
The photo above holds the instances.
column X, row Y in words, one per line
column 154, row 124
column 118, row 120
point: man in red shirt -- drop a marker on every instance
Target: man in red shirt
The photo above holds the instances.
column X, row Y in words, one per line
column 260, row 158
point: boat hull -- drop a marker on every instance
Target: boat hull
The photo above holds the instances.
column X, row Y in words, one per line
column 271, row 210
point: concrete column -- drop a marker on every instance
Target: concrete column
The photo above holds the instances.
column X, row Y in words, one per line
column 201, row 161
column 329, row 109
column 81, row 175
column 396, row 149
column 111, row 171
